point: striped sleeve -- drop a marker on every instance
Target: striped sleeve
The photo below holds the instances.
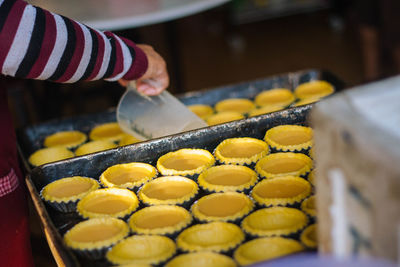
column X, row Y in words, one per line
column 38, row 44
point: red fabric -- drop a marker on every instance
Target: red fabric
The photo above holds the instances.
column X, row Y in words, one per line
column 15, row 250
column 100, row 55
column 49, row 41
column 119, row 59
column 77, row 56
column 139, row 67
column 10, row 29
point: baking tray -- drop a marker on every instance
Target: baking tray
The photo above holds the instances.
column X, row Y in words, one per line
column 31, row 138
column 56, row 224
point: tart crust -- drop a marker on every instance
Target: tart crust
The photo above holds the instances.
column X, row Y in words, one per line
column 241, row 150
column 284, row 164
column 214, row 236
column 281, row 191
column 185, row 162
column 112, row 202
column 275, row 221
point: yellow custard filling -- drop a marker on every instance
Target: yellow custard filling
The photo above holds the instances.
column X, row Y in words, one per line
column 114, row 202
column 50, row 154
column 142, row 249
column 314, row 89
column 309, row 236
column 203, row 111
column 185, row 162
column 241, row 150
column 223, row 117
column 262, row 249
column 214, row 236
column 307, row 101
column 309, row 207
column 168, row 190
column 274, row 221
column 275, row 97
column 222, row 206
column 227, row 178
column 94, row 146
column 281, row 190
column 109, row 131
column 201, row 259
column 289, row 137
column 66, row 139
column 284, row 164
column 162, row 219
column 241, row 105
column 127, row 139
column 128, row 175
column 96, row 233
column 69, row 188
column 264, row 110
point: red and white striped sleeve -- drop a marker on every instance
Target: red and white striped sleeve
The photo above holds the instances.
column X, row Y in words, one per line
column 38, row 44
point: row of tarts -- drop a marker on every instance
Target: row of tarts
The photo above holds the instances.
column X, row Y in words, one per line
column 66, row 144
column 247, row 201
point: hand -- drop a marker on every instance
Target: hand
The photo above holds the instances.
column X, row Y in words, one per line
column 156, row 79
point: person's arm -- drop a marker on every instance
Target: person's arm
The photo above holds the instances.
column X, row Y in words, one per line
column 38, row 44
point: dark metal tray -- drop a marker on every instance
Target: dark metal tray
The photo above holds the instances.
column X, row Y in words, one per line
column 56, row 224
column 31, row 138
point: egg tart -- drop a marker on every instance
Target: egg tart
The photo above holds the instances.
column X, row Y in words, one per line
column 203, row 111
column 281, row 191
column 314, row 89
column 91, row 238
column 241, row 151
column 94, row 146
column 308, row 206
column 215, row 236
column 275, row 221
column 227, row 206
column 223, row 117
column 266, row 248
column 142, row 249
column 306, row 101
column 309, row 236
column 107, row 131
column 225, row 178
column 112, row 202
column 185, row 162
column 50, row 154
column 128, row 139
column 169, row 190
column 201, row 259
column 64, row 194
column 160, row 220
column 133, row 265
column 284, row 164
column 128, row 175
column 68, row 139
column 311, row 152
column 275, row 97
column 293, row 138
column 264, row 110
column 311, row 177
column 241, row 105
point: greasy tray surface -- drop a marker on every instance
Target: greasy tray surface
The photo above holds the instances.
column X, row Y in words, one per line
column 31, row 138
column 93, row 165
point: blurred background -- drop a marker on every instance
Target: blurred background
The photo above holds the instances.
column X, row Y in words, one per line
column 238, row 41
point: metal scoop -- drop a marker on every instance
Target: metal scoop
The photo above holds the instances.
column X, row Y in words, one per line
column 147, row 117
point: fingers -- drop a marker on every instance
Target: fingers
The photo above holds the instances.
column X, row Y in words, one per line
column 156, row 78
column 153, row 86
